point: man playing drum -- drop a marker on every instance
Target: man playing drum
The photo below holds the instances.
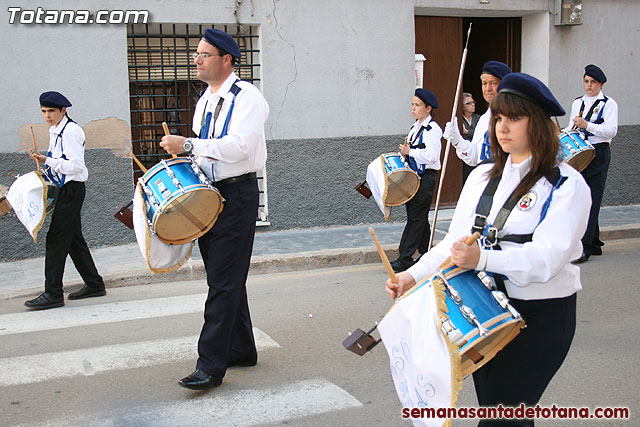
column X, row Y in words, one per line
column 597, row 116
column 423, row 155
column 230, row 149
column 531, row 211
column 65, row 167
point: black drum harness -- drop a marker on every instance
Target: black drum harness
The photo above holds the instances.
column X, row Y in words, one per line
column 599, row 120
column 51, row 174
column 489, row 238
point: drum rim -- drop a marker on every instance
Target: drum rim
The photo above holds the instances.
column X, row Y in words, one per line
column 159, row 166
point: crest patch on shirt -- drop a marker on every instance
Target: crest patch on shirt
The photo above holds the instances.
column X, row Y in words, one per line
column 527, row 201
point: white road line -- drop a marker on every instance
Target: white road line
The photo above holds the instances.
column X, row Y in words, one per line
column 239, row 408
column 68, row 317
column 48, row 366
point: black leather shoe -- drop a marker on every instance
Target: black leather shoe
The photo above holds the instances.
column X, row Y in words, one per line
column 596, row 251
column 199, row 380
column 582, row 259
column 87, row 292
column 44, row 301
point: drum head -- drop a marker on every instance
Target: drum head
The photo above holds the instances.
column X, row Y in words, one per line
column 188, row 216
column 403, row 185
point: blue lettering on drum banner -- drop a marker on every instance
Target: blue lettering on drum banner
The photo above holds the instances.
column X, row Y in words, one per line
column 423, row 389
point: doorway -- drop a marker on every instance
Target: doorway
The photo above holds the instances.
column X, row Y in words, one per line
column 441, row 40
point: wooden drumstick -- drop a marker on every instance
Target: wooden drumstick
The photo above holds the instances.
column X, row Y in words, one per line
column 558, row 124
column 167, row 133
column 33, row 141
column 383, row 257
column 447, row 262
column 140, row 165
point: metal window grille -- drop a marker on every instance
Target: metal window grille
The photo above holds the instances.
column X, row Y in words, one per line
column 163, row 86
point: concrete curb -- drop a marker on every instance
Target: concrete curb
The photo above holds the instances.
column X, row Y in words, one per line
column 281, row 263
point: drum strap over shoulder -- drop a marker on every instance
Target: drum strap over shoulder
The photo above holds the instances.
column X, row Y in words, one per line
column 598, row 120
column 51, row 174
column 490, row 239
column 207, row 116
column 419, row 169
column 485, row 152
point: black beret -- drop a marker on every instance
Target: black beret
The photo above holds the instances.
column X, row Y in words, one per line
column 595, row 72
column 54, row 100
column 223, row 41
column 427, row 97
column 532, row 89
column 496, row 68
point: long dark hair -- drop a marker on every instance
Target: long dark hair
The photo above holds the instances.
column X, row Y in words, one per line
column 542, row 133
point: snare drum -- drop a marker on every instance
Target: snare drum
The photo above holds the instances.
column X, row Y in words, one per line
column 574, row 150
column 402, row 182
column 180, row 202
column 480, row 321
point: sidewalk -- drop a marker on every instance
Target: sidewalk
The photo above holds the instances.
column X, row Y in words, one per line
column 274, row 251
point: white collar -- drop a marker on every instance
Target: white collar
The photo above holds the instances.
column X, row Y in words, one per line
column 57, row 129
column 424, row 123
column 223, row 90
column 600, row 95
column 521, row 168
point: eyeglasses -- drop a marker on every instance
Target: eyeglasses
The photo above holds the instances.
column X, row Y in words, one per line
column 203, row 55
column 470, row 102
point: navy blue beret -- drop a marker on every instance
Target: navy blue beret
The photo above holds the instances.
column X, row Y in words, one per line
column 54, row 100
column 496, row 68
column 427, row 97
column 223, row 41
column 532, row 89
column 595, row 72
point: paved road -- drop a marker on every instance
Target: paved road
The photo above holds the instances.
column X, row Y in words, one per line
column 114, row 361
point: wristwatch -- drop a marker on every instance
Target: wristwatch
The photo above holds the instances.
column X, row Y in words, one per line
column 187, row 146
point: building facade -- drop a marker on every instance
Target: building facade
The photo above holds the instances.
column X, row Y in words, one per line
column 338, row 76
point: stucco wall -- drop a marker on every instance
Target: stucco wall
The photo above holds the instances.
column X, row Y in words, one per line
column 338, row 76
column 608, row 38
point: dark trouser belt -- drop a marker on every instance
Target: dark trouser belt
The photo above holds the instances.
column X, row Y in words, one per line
column 245, row 177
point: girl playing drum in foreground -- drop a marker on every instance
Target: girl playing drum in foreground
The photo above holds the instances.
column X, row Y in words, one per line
column 546, row 206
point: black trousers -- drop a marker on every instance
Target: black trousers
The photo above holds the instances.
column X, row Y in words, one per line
column 65, row 238
column 596, row 176
column 522, row 370
column 417, row 230
column 227, row 333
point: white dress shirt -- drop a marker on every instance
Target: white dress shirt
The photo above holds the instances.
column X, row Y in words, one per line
column 243, row 149
column 540, row 269
column 470, row 151
column 71, row 144
column 430, row 155
column 603, row 132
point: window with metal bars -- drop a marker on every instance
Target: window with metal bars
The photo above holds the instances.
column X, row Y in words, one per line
column 163, row 86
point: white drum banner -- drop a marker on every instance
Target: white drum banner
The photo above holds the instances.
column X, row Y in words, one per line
column 28, row 198
column 161, row 257
column 424, row 365
column 377, row 179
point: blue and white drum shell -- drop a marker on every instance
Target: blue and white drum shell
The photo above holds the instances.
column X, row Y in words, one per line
column 402, row 182
column 574, row 150
column 490, row 322
column 180, row 203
